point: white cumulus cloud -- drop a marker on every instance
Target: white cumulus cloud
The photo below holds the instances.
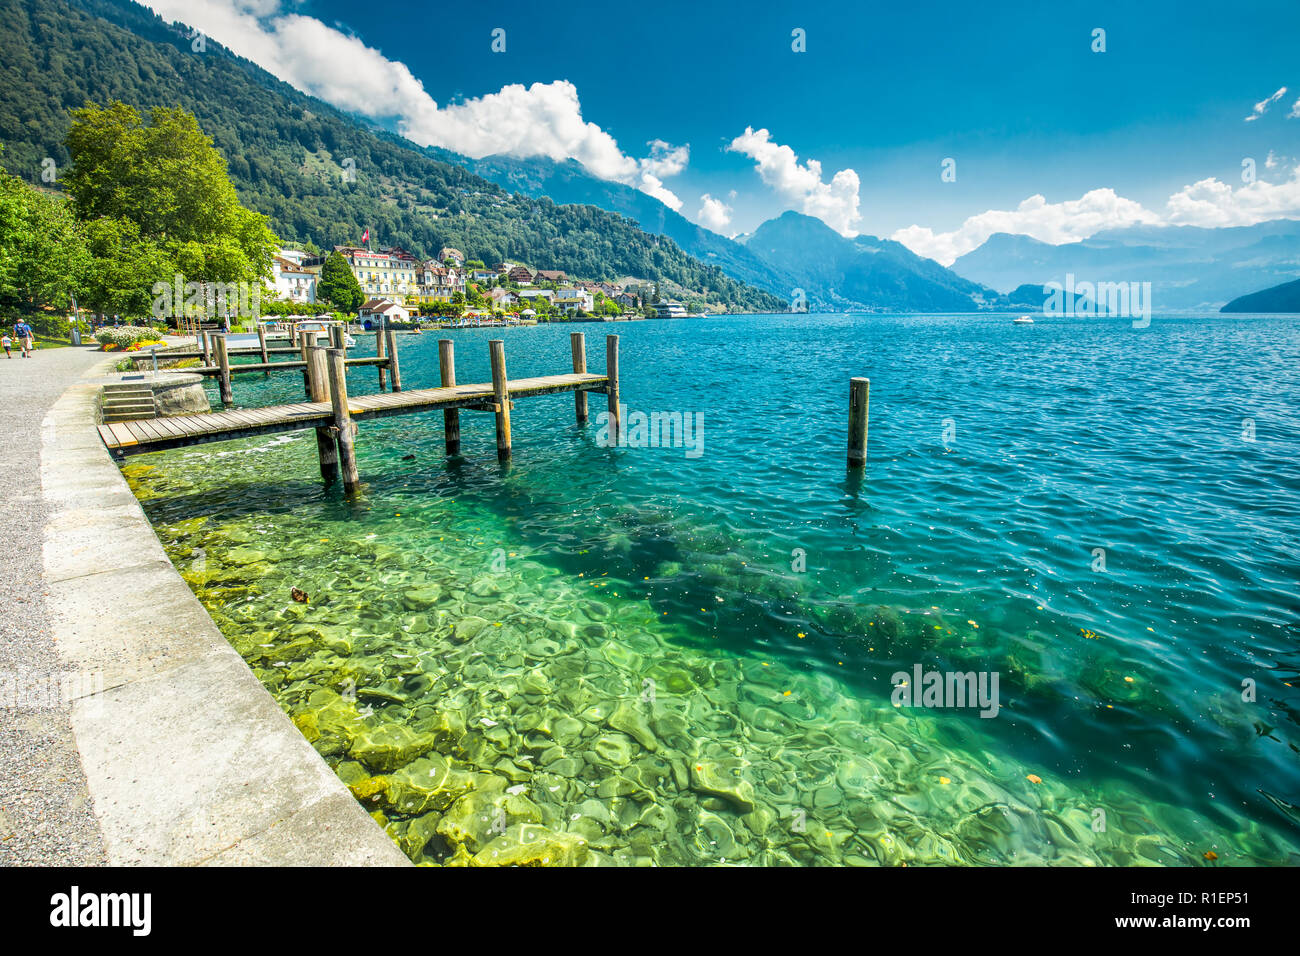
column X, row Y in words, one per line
column 1262, row 106
column 544, row 119
column 1295, row 111
column 1055, row 223
column 835, row 203
column 1213, row 203
column 1209, row 203
column 714, row 213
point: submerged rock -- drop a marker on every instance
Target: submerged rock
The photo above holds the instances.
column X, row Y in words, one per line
column 630, row 718
column 479, row 817
column 722, row 779
column 389, row 746
column 532, row 845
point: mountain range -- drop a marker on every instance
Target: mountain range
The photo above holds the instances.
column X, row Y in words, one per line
column 1189, row 267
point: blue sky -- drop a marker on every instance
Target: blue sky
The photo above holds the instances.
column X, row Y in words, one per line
column 1013, row 92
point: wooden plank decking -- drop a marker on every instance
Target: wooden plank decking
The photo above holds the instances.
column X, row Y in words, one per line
column 157, row 434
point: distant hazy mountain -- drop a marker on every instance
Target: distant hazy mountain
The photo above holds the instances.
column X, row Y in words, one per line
column 1280, row 298
column 864, row 272
column 1187, row 266
column 790, row 252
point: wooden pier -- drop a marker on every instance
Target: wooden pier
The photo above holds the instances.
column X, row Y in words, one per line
column 334, row 414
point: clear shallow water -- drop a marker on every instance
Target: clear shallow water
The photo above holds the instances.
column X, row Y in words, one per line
column 622, row 633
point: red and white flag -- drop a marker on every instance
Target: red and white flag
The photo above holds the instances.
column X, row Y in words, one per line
column 365, row 236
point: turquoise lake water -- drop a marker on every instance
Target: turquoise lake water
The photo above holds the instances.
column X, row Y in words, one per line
column 687, row 658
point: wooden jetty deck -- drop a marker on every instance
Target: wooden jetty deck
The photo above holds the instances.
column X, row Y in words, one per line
column 157, row 434
column 334, row 415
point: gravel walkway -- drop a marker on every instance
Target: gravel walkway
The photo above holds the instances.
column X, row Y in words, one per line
column 45, row 813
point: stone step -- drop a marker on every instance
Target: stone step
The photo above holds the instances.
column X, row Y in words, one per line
column 119, row 406
column 128, row 387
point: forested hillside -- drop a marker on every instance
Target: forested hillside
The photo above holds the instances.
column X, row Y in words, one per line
column 319, row 175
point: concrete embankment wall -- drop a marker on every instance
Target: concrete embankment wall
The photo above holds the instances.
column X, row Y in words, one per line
column 188, row 759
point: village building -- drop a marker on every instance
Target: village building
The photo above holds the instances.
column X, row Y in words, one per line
column 290, row 279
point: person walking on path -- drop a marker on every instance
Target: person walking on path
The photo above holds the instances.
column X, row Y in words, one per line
column 7, row 342
column 23, row 333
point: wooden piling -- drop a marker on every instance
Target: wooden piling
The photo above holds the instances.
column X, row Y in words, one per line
column 338, row 338
column 859, row 398
column 450, row 416
column 344, row 429
column 205, row 343
column 394, row 371
column 223, row 361
column 578, row 342
column 501, row 397
column 380, row 340
column 305, row 346
column 261, row 341
column 318, row 381
column 611, row 390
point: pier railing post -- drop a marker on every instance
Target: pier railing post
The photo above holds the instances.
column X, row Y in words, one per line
column 578, row 342
column 345, row 430
column 394, row 371
column 318, row 381
column 380, row 353
column 859, row 398
column 450, row 416
column 223, row 364
column 501, row 396
column 611, row 390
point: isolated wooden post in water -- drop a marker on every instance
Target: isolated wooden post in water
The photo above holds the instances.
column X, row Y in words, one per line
column 501, row 396
column 379, row 351
column 223, row 363
column 261, row 341
column 205, row 346
column 394, row 371
column 345, row 431
column 611, row 391
column 336, row 339
column 319, row 382
column 450, row 416
column 859, row 394
column 578, row 341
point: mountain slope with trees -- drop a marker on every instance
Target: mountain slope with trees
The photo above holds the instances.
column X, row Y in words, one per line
column 318, row 175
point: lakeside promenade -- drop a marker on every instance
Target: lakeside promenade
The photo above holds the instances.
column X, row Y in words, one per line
column 169, row 751
column 45, row 812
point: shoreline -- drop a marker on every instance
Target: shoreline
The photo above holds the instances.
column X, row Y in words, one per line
column 188, row 759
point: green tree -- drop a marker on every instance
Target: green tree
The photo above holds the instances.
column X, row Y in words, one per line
column 168, row 180
column 43, row 255
column 338, row 286
column 123, row 269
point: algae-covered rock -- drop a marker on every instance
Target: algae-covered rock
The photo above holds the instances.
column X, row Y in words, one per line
column 721, row 778
column 468, row 628
column 389, row 746
column 421, row 598
column 329, row 722
column 479, row 817
column 431, row 783
column 631, row 719
column 529, row 844
column 418, row 834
